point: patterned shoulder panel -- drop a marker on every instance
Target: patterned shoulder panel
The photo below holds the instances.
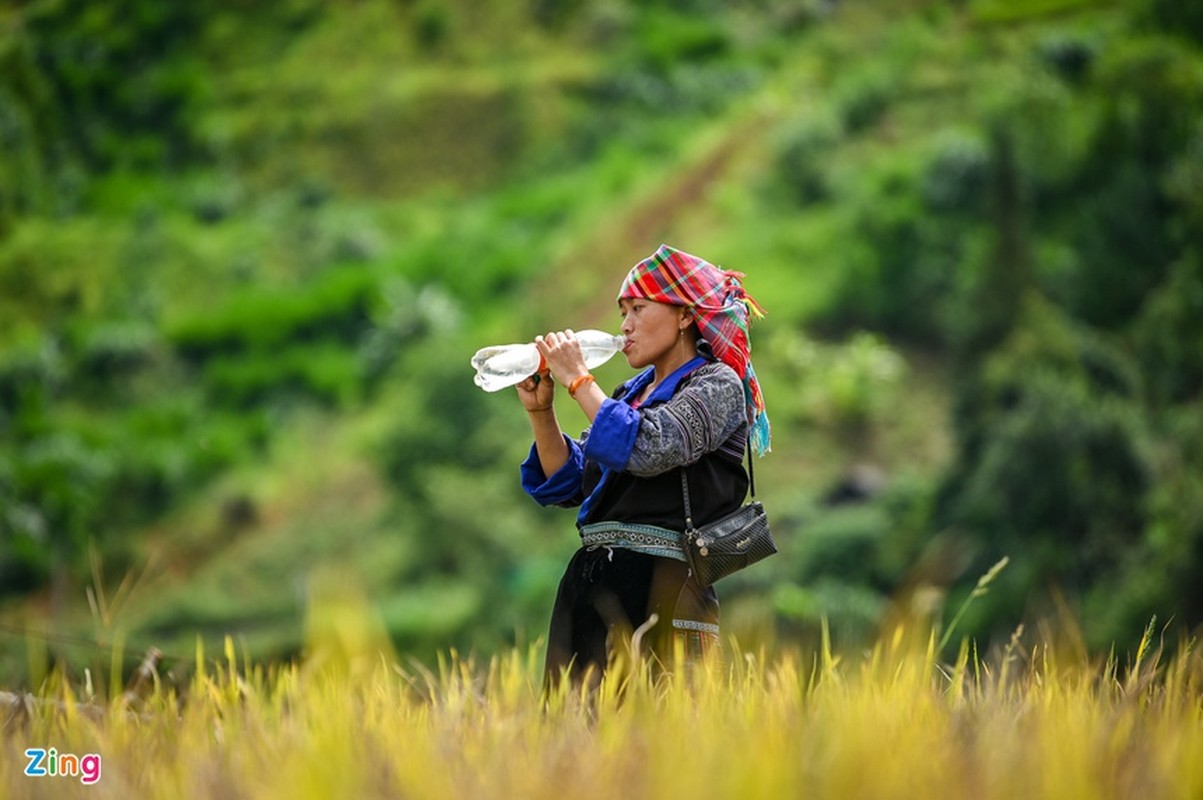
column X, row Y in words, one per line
column 706, row 414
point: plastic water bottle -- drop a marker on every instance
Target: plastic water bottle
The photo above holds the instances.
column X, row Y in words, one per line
column 504, row 365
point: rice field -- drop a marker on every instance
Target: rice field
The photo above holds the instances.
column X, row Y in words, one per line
column 1032, row 721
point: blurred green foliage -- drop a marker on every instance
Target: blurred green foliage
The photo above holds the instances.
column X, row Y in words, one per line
column 246, row 252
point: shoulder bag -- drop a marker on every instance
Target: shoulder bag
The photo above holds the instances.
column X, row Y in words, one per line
column 727, row 545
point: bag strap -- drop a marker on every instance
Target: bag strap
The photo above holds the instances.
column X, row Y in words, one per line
column 685, row 487
column 685, row 495
column 751, row 472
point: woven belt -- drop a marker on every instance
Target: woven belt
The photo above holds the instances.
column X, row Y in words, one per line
column 640, row 538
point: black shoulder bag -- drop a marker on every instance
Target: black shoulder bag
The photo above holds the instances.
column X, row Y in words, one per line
column 738, row 540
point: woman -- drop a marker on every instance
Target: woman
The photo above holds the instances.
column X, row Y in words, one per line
column 693, row 406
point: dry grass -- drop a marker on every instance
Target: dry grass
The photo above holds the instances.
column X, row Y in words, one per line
column 890, row 722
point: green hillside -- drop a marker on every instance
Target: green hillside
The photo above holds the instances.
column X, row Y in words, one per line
column 245, row 255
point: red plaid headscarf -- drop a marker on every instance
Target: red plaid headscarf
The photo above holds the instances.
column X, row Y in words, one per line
column 721, row 308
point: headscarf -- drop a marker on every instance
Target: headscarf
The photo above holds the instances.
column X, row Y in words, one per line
column 720, row 307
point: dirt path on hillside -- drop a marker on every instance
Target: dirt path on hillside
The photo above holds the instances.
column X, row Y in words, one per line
column 579, row 289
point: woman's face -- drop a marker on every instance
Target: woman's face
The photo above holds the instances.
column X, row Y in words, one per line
column 651, row 330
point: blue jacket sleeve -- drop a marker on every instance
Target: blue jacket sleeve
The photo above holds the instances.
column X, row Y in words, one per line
column 564, row 486
column 612, row 436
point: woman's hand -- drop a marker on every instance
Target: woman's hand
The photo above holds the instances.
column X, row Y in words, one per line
column 537, row 392
column 562, row 354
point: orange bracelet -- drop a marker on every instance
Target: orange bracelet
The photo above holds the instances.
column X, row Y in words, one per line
column 579, row 382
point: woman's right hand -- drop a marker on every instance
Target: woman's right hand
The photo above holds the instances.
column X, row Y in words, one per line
column 537, row 391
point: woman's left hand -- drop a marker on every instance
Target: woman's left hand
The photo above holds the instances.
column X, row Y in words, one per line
column 562, row 352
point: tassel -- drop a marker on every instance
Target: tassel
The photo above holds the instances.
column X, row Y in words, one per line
column 761, row 434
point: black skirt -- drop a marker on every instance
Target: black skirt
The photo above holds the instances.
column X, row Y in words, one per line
column 607, row 594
